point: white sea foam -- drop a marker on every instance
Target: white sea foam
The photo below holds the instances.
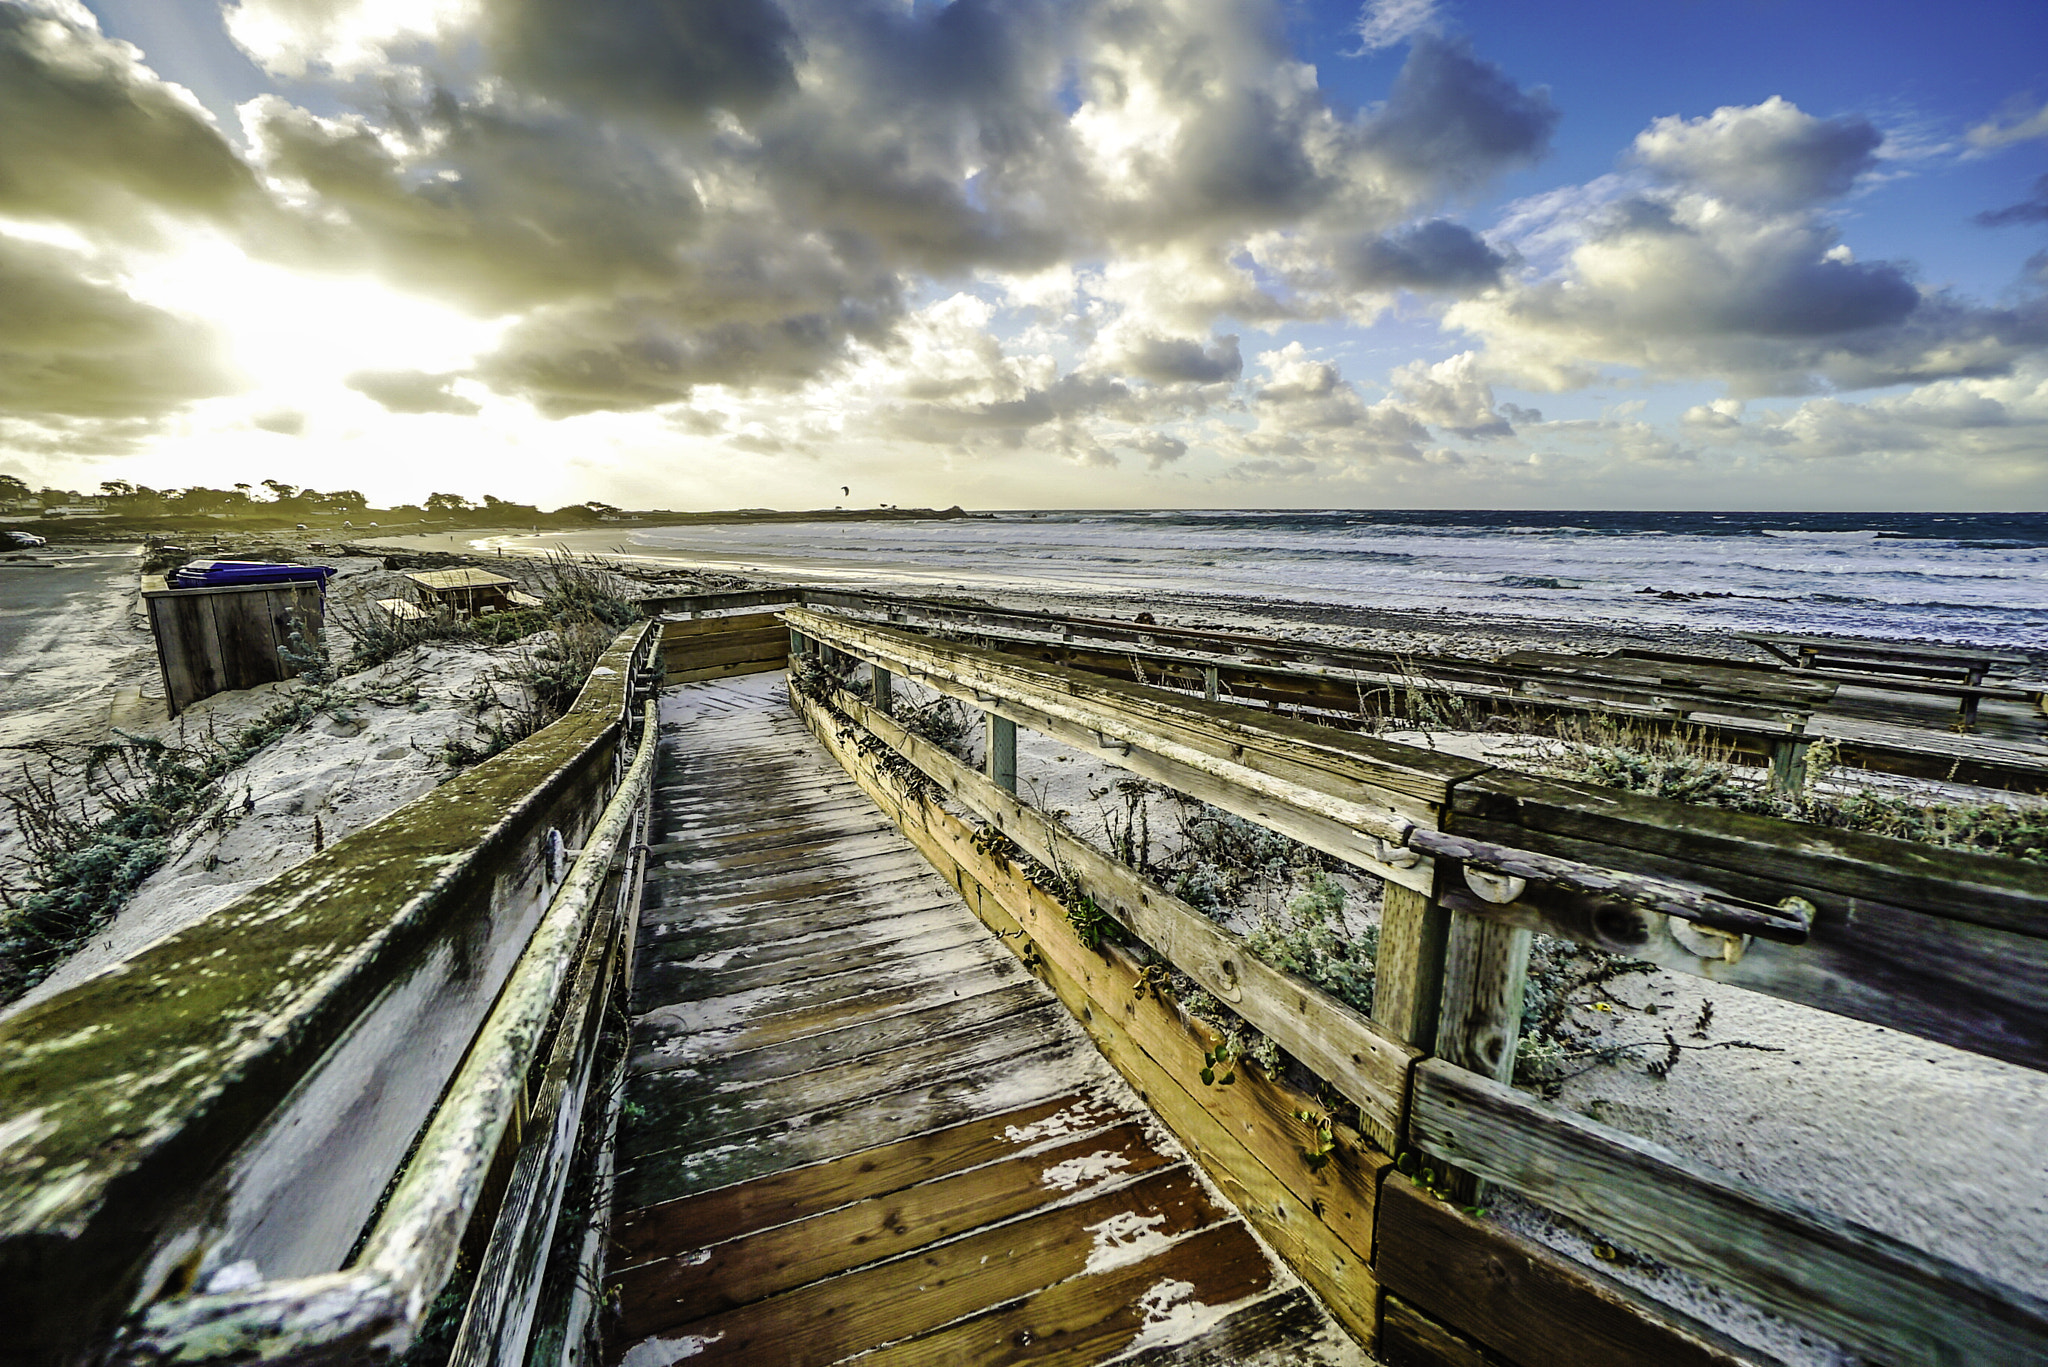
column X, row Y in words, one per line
column 1954, row 577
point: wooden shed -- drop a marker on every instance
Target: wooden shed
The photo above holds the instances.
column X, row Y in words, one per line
column 467, row 592
column 212, row 640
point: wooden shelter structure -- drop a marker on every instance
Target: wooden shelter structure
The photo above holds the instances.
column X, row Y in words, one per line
column 213, row 640
column 462, row 592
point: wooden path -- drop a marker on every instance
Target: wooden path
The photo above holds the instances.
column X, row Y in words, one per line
column 855, row 1126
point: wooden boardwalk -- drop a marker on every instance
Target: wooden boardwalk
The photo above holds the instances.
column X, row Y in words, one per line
column 855, row 1126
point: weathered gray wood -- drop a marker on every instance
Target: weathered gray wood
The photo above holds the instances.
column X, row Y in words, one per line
column 1002, row 751
column 1485, row 967
column 1409, row 972
column 1823, row 864
column 1332, row 1040
column 884, row 690
column 1344, row 794
column 1881, row 1297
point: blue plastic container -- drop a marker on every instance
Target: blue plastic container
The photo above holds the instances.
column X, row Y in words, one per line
column 218, row 574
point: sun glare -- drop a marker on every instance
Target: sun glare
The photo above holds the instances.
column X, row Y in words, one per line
column 296, row 332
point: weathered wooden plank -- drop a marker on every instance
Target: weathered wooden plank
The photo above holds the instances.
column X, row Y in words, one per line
column 669, row 1035
column 1821, row 863
column 774, row 937
column 657, row 978
column 685, row 1108
column 775, row 839
column 713, row 1271
column 1301, row 1214
column 1409, row 1338
column 1873, row 1293
column 654, row 1232
column 704, row 674
column 1337, row 791
column 1331, row 1039
column 1408, row 975
column 825, row 1321
column 979, row 1003
column 1284, row 1330
column 716, row 651
column 706, row 925
column 932, row 1104
column 1970, row 986
column 671, row 885
column 750, row 623
column 1525, row 1302
column 1086, row 1319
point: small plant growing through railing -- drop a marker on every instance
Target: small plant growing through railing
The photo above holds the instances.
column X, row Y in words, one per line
column 1219, row 1065
column 1322, row 1141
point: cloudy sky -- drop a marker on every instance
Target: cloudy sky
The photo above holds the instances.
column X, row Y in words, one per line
column 1032, row 253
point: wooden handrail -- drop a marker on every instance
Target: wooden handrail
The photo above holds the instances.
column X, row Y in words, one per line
column 1869, row 1291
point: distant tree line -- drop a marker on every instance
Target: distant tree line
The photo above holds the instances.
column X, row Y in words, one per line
column 274, row 498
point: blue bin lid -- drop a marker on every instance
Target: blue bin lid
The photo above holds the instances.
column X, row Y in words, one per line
column 213, row 574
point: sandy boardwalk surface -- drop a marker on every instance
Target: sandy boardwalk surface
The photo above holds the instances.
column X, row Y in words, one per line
column 1939, row 1148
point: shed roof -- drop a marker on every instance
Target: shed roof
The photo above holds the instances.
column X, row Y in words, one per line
column 459, row 579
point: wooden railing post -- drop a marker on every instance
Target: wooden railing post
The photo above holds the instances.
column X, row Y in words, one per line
column 1486, row 965
column 1210, row 683
column 1480, row 1020
column 1408, row 976
column 1002, row 752
column 884, row 690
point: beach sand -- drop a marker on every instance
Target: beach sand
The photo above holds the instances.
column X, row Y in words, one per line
column 1853, row 1119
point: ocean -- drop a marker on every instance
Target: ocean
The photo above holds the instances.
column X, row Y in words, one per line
column 1980, row 578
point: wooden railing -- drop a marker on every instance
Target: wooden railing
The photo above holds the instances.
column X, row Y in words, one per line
column 272, row 1136
column 1950, row 945
column 1764, row 721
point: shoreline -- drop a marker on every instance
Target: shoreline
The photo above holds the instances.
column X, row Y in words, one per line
column 1423, row 630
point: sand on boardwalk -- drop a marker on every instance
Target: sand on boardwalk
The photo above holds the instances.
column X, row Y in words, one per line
column 1850, row 1118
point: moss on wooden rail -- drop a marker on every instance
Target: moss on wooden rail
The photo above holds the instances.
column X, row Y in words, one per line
column 125, row 1095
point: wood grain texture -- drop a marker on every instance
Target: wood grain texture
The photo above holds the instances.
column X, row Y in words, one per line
column 1877, row 1295
column 1486, row 965
column 821, row 1322
column 1334, row 1041
column 1409, row 1338
column 669, row 1228
column 1524, row 1302
column 1313, row 1219
column 1089, row 1319
column 1409, row 972
column 715, row 1269
column 1985, row 890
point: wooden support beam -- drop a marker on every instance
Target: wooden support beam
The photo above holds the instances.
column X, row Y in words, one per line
column 1486, row 965
column 884, row 690
column 1409, row 973
column 1880, row 1297
column 1361, row 1062
column 1319, row 1220
column 1002, row 751
column 1480, row 1018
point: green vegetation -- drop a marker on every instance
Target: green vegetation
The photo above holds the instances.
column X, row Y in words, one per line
column 95, row 824
column 1311, row 940
column 86, row 856
column 1685, row 767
